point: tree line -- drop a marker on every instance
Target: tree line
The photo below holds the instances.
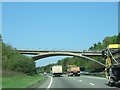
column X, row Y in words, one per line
column 86, row 65
column 12, row 60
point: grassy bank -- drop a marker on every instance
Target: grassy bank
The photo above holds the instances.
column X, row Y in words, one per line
column 22, row 81
column 0, row 82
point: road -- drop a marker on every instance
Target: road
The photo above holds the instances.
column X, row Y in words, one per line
column 75, row 82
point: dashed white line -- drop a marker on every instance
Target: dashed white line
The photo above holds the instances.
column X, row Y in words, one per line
column 92, row 84
column 80, row 80
column 51, row 79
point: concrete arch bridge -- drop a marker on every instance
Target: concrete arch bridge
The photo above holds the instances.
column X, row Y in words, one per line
column 39, row 54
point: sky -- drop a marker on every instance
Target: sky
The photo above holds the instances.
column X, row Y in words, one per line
column 57, row 25
column 60, row 0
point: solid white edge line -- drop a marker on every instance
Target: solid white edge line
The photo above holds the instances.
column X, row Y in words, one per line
column 51, row 79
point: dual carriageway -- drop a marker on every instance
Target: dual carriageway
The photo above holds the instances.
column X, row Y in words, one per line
column 70, row 82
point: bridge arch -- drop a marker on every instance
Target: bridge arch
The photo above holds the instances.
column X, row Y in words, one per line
column 41, row 56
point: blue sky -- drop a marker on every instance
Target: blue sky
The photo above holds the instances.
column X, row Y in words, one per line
column 58, row 26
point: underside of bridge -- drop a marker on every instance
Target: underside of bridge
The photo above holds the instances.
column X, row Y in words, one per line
column 49, row 55
column 82, row 56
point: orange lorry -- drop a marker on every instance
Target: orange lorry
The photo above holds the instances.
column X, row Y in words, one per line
column 73, row 70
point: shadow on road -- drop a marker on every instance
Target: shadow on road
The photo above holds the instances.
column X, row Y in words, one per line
column 116, row 85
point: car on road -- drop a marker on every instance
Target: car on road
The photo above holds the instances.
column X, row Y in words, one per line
column 45, row 73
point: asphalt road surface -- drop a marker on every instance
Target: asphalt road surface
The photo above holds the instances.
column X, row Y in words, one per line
column 75, row 82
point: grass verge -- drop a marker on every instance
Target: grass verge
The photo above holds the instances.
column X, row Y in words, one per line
column 0, row 82
column 23, row 81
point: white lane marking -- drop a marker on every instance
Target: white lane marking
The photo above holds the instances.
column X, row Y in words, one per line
column 92, row 84
column 51, row 80
column 80, row 80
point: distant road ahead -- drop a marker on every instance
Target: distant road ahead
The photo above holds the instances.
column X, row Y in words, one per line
column 75, row 82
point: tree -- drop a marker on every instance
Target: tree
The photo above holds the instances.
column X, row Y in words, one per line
column 12, row 60
column 107, row 41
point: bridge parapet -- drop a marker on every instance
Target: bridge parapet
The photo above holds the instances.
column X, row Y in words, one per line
column 47, row 53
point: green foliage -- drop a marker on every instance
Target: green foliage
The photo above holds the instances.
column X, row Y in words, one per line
column 22, row 81
column 12, row 60
column 118, row 38
column 107, row 40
